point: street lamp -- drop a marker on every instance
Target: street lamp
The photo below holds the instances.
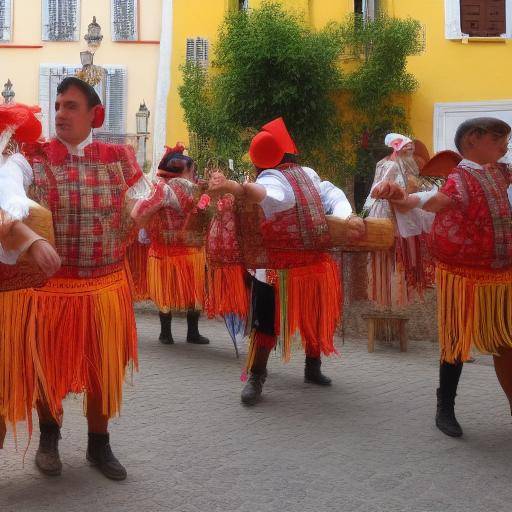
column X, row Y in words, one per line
column 8, row 93
column 142, row 119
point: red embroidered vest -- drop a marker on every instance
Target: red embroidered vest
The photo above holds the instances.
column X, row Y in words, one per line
column 291, row 238
column 86, row 196
column 182, row 227
column 478, row 231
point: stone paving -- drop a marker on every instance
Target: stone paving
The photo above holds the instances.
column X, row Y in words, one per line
column 367, row 444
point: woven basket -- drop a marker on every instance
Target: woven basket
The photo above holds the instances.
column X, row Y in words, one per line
column 380, row 235
column 23, row 274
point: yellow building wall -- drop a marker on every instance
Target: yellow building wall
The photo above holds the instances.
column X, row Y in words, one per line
column 447, row 71
column 21, row 66
column 450, row 71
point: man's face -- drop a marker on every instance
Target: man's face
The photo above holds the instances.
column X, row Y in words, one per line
column 489, row 147
column 73, row 118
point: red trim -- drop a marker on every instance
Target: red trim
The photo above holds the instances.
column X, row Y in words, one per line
column 138, row 41
column 20, row 46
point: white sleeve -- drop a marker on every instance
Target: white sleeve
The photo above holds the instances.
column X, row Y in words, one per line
column 15, row 177
column 279, row 194
column 139, row 190
column 334, row 200
column 8, row 257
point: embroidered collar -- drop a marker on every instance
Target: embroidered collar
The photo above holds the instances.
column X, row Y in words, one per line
column 469, row 163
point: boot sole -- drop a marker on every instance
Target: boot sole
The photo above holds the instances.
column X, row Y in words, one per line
column 110, row 476
column 309, row 381
column 448, row 433
column 49, row 472
column 194, row 342
column 250, row 402
column 165, row 341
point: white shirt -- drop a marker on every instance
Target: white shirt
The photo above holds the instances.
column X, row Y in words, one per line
column 280, row 197
column 14, row 172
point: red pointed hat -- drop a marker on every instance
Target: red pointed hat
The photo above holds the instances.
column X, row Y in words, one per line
column 270, row 145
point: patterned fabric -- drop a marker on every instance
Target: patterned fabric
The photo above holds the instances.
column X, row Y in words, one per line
column 223, row 239
column 291, row 238
column 86, row 196
column 183, row 226
column 477, row 230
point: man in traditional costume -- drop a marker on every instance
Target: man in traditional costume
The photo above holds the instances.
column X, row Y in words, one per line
column 471, row 239
column 85, row 324
column 18, row 124
column 398, row 276
column 175, row 228
column 288, row 231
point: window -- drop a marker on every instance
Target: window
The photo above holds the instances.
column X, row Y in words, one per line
column 61, row 20
column 478, row 18
column 369, row 9
column 124, row 20
column 243, row 5
column 448, row 117
column 197, row 50
column 112, row 91
column 5, row 20
column 482, row 18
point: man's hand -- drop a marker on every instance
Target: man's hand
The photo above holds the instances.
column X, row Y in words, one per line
column 218, row 182
column 356, row 228
column 389, row 191
column 42, row 254
column 144, row 209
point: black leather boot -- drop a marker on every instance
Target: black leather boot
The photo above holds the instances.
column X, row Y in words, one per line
column 193, row 335
column 100, row 455
column 47, row 455
column 165, row 328
column 446, row 422
column 313, row 374
column 251, row 392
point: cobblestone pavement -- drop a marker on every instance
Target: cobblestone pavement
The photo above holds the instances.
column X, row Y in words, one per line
column 367, row 444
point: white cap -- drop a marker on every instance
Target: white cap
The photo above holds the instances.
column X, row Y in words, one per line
column 396, row 141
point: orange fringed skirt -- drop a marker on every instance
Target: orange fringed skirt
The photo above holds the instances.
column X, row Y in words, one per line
column 309, row 305
column 474, row 308
column 137, row 260
column 86, row 337
column 227, row 291
column 17, row 360
column 310, row 300
column 176, row 278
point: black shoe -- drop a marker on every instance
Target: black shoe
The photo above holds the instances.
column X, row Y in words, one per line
column 47, row 455
column 193, row 335
column 251, row 392
column 165, row 332
column 446, row 421
column 100, row 455
column 313, row 374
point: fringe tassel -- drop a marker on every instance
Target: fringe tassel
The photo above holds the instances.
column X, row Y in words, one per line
column 176, row 280
column 137, row 260
column 474, row 308
column 227, row 292
column 17, row 358
column 314, row 306
column 86, row 337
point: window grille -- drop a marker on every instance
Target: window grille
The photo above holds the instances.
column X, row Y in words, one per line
column 61, row 20
column 124, row 20
column 243, row 5
column 5, row 20
column 197, row 50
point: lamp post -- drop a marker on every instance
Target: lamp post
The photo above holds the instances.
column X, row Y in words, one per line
column 8, row 94
column 142, row 119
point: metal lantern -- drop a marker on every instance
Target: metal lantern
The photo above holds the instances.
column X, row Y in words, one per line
column 8, row 94
column 91, row 73
column 93, row 36
column 142, row 117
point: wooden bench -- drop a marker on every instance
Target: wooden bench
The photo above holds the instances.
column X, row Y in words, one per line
column 386, row 319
